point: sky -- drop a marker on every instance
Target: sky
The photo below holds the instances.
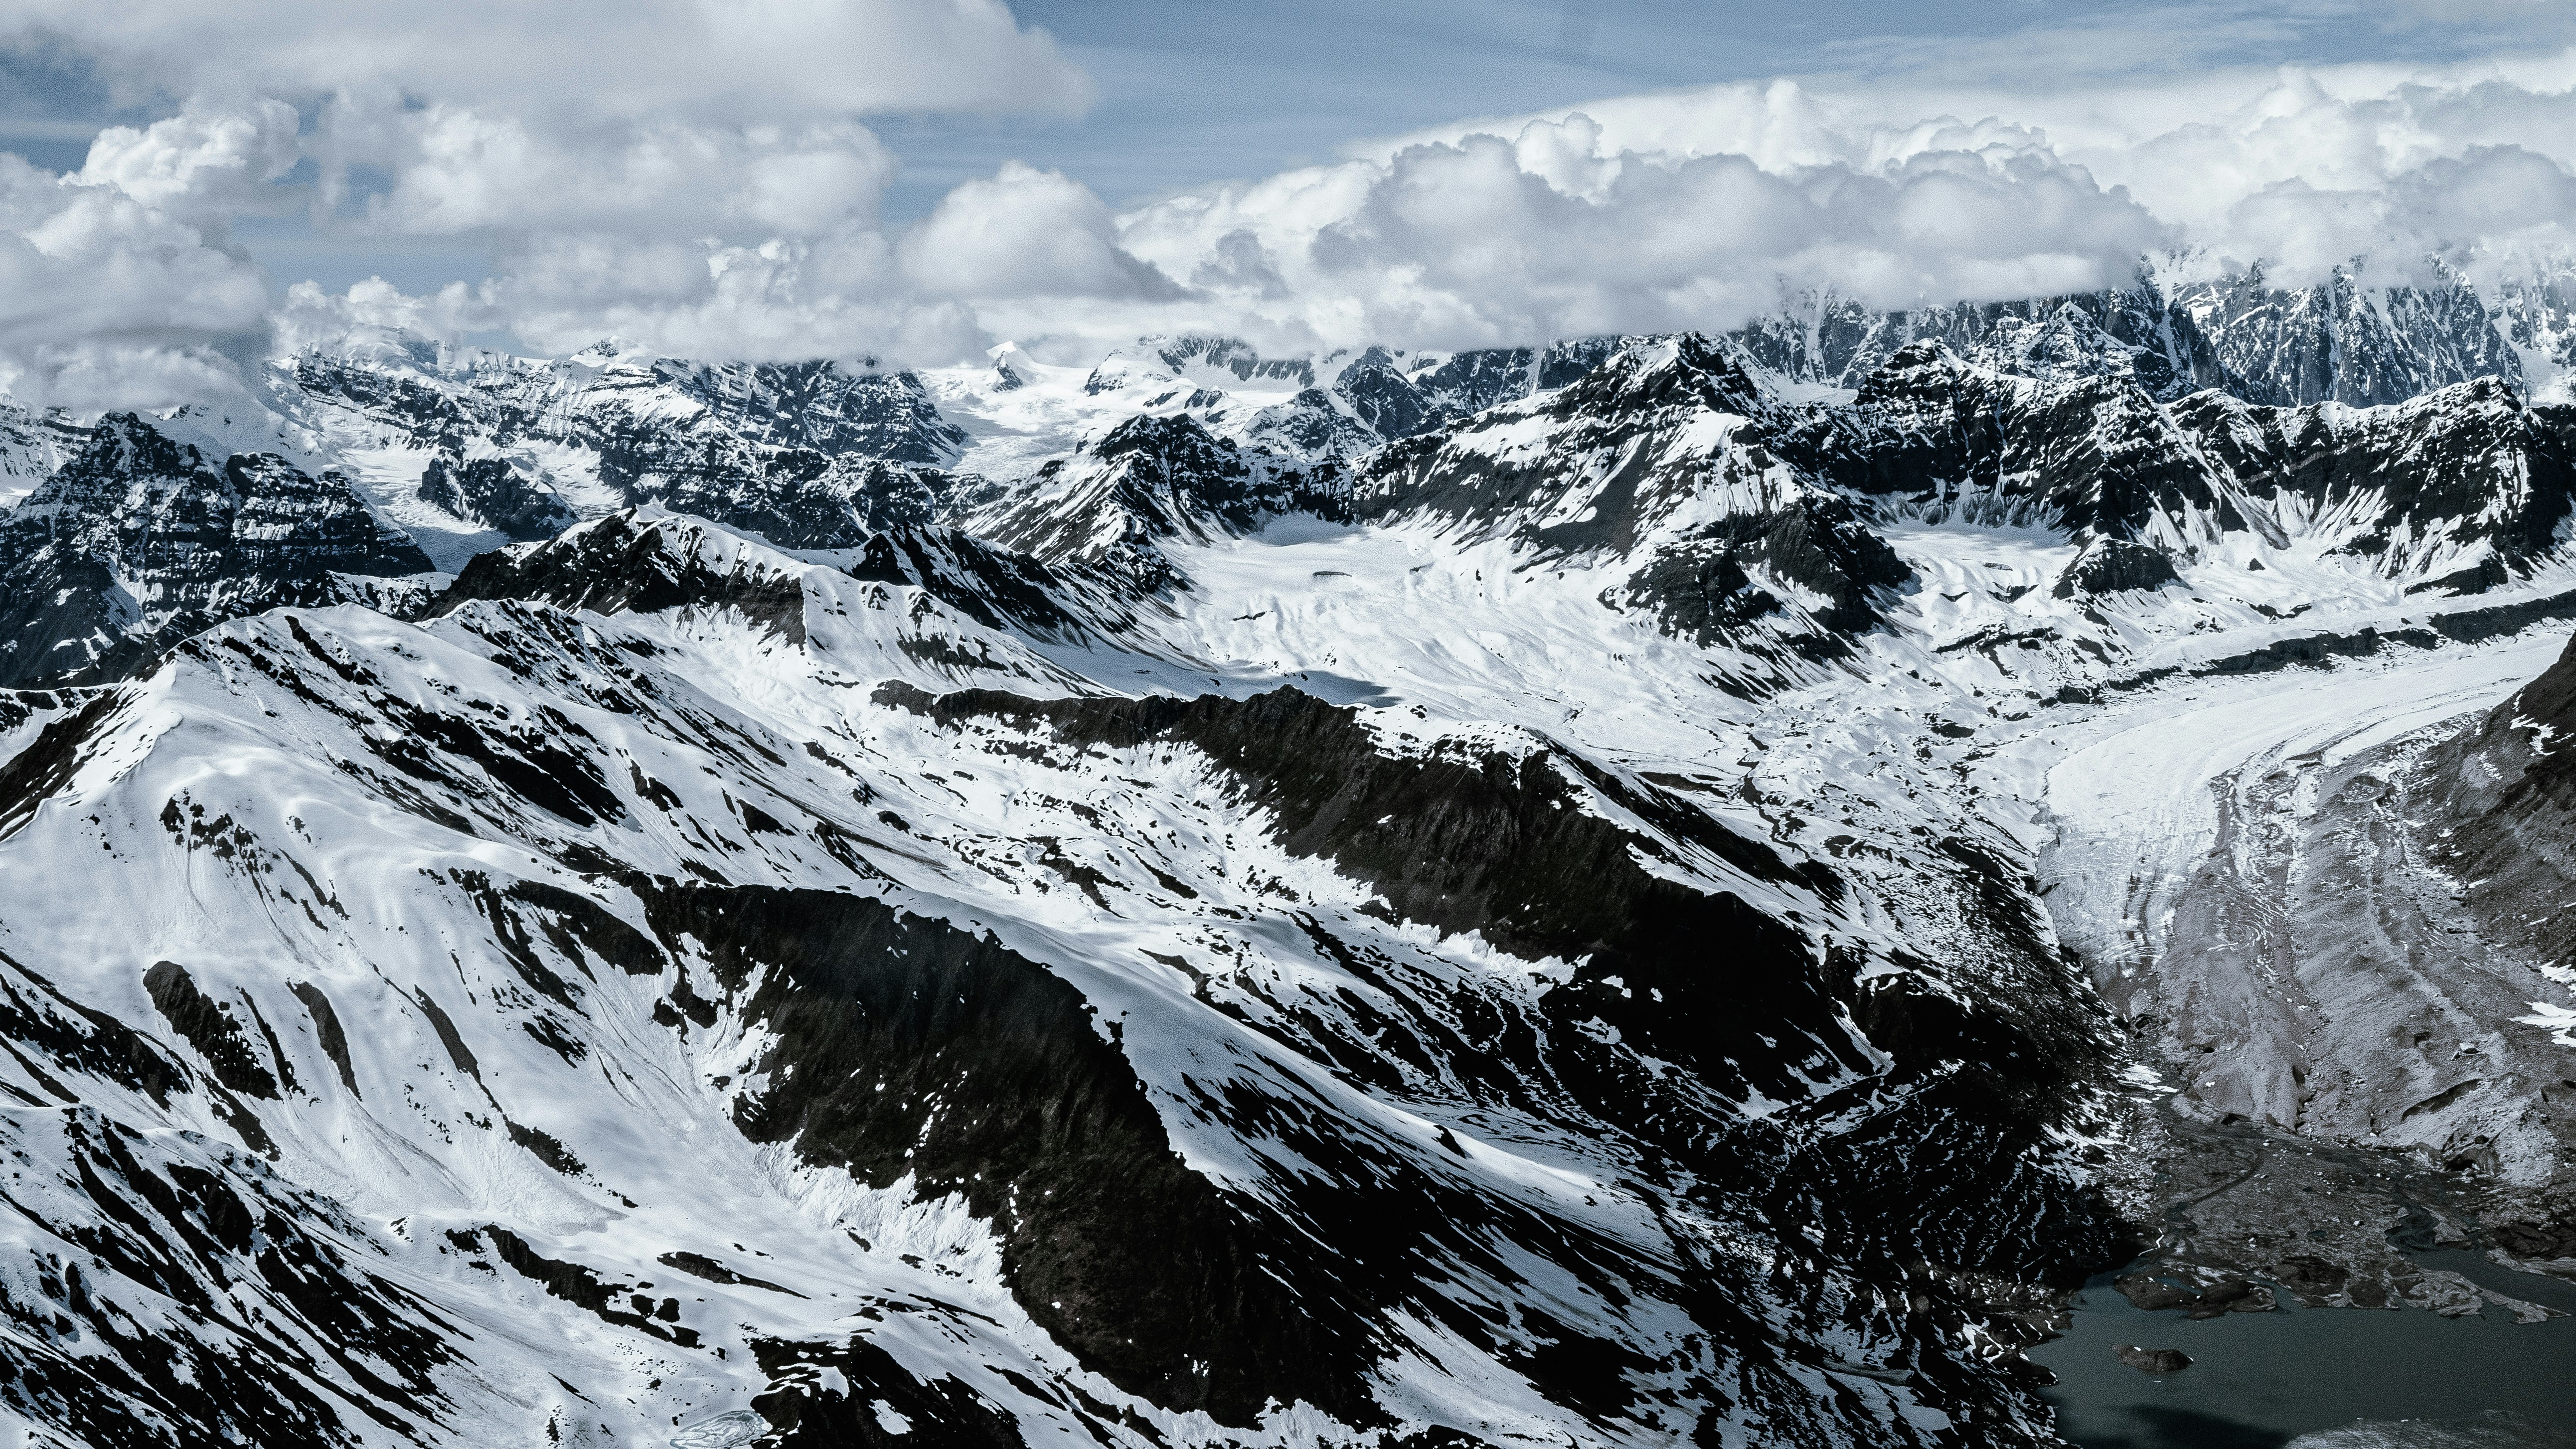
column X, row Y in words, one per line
column 189, row 185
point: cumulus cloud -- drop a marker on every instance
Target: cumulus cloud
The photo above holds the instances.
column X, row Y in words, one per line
column 1668, row 212
column 643, row 117
column 697, row 170
column 458, row 170
column 699, row 177
column 205, row 165
column 372, row 316
column 746, row 62
column 1549, row 233
column 105, row 301
column 2277, row 166
column 1027, row 233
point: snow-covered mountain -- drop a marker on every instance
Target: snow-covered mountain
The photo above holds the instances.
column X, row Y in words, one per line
column 773, row 991
column 468, row 449
column 32, row 445
column 2349, row 339
column 138, row 541
column 1600, row 894
column 1151, row 478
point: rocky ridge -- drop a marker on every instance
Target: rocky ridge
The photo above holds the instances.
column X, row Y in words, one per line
column 138, row 541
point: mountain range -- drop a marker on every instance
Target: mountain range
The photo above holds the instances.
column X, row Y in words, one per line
column 1610, row 892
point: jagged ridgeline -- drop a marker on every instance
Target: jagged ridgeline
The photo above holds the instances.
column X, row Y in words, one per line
column 1390, row 897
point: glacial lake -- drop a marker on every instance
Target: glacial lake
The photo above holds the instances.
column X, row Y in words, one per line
column 2324, row 1378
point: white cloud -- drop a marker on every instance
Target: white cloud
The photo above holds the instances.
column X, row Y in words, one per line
column 2227, row 155
column 838, row 296
column 373, row 314
column 204, row 165
column 458, row 170
column 1486, row 240
column 1027, row 233
column 695, row 174
column 1673, row 211
column 105, row 301
column 741, row 62
column 690, row 170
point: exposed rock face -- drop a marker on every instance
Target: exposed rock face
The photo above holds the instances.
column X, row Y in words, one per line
column 2112, row 566
column 952, row 984
column 1095, row 1075
column 1664, row 457
column 2137, row 335
column 140, row 541
column 2506, row 789
column 2097, row 456
column 501, row 493
column 2153, row 1360
column 2349, row 339
column 1397, row 401
column 650, row 561
column 1343, row 403
column 32, row 446
column 2455, row 491
column 1150, row 479
column 808, row 454
column 1536, row 471
column 2468, row 475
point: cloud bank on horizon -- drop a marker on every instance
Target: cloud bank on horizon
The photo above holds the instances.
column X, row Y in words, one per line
column 701, row 177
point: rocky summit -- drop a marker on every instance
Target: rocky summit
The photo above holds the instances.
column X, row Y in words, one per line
column 1626, row 891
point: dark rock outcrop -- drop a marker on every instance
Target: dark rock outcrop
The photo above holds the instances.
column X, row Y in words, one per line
column 2506, row 790
column 140, row 541
column 496, row 492
column 2153, row 1360
column 2113, row 566
column 1111, row 506
column 809, row 455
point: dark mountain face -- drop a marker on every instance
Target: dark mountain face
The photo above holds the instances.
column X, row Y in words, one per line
column 807, row 454
column 1691, row 1131
column 32, row 445
column 2458, row 490
column 2052, row 418
column 807, row 499
column 2507, row 793
column 2467, row 466
column 1393, row 400
column 2096, row 455
column 1150, row 479
column 2344, row 340
column 499, row 493
column 1627, row 417
column 139, row 541
column 2137, row 335
column 1344, row 405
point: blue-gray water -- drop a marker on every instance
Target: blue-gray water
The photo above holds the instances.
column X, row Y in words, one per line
column 2266, row 1380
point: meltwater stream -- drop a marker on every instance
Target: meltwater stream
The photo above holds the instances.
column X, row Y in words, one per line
column 2324, row 1378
